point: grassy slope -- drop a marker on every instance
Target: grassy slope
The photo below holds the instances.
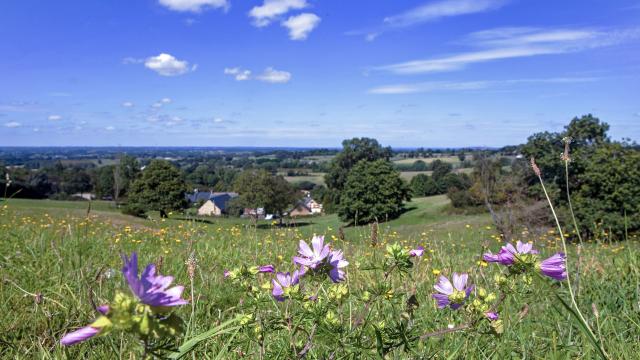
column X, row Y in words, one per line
column 52, row 249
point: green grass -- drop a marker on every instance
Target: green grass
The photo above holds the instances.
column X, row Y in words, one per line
column 53, row 256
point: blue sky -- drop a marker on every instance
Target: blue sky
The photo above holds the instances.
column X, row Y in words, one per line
column 311, row 73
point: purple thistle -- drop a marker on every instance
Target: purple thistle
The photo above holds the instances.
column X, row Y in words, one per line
column 313, row 258
column 419, row 251
column 267, row 269
column 554, row 267
column 151, row 288
column 452, row 295
column 80, row 335
column 282, row 282
column 337, row 261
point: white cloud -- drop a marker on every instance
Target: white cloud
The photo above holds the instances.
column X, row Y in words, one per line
column 440, row 9
column 36, row 129
column 507, row 43
column 218, row 120
column 166, row 100
column 12, row 124
column 54, row 117
column 270, row 10
column 238, row 73
column 168, row 65
column 156, row 105
column 194, row 5
column 301, row 25
column 128, row 104
column 110, row 128
column 272, row 75
column 432, row 86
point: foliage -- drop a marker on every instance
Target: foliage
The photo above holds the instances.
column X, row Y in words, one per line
column 373, row 191
column 258, row 188
column 423, row 185
column 353, row 151
column 160, row 188
column 609, row 195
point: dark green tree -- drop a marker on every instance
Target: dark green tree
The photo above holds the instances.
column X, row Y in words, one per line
column 372, row 192
column 423, row 185
column 353, row 151
column 104, row 181
column 259, row 188
column 160, row 187
column 125, row 174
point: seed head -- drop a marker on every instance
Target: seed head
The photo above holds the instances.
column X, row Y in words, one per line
column 192, row 264
column 535, row 167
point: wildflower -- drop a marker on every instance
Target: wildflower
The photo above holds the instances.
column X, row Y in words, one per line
column 508, row 254
column 491, row 315
column 337, row 261
column 419, row 251
column 452, row 295
column 266, row 269
column 312, row 258
column 90, row 331
column 284, row 284
column 554, row 267
column 151, row 288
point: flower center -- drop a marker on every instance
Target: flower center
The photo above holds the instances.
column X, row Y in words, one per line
column 457, row 296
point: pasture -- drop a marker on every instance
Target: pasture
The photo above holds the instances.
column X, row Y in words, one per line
column 57, row 259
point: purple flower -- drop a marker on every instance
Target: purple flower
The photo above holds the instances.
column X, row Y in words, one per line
column 266, row 269
column 554, row 267
column 452, row 295
column 419, row 251
column 151, row 288
column 508, row 254
column 337, row 261
column 79, row 335
column 226, row 273
column 313, row 258
column 491, row 315
column 283, row 282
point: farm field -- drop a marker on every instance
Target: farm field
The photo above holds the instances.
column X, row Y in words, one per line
column 428, row 160
column 56, row 259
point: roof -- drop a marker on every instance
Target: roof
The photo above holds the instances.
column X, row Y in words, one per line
column 220, row 200
column 207, row 195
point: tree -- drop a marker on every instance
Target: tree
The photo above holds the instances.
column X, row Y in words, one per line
column 423, row 185
column 259, row 188
column 609, row 196
column 372, row 192
column 160, row 188
column 353, row 151
column 104, row 182
column 440, row 169
column 125, row 174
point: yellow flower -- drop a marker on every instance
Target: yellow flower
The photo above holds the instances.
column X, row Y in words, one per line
column 435, row 272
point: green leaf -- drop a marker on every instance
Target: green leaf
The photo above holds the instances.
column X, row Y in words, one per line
column 194, row 341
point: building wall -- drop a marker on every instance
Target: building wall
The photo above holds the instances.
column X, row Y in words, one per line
column 300, row 211
column 209, row 209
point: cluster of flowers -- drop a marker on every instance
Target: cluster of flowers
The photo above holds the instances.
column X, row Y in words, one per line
column 147, row 313
column 521, row 259
column 317, row 259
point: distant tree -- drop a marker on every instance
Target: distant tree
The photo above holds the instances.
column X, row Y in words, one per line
column 76, row 180
column 372, row 192
column 462, row 156
column 419, row 165
column 440, row 169
column 41, row 184
column 423, row 185
column 125, row 174
column 259, row 188
column 160, row 188
column 353, row 151
column 104, row 181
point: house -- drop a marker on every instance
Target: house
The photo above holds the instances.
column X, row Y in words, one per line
column 217, row 204
column 257, row 213
column 198, row 196
column 305, row 207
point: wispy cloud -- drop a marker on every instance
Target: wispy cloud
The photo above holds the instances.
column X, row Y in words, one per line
column 54, row 117
column 12, row 124
column 238, row 73
column 507, row 43
column 269, row 75
column 128, row 104
column 272, row 75
column 440, row 9
column 433, row 86
column 428, row 12
column 194, row 5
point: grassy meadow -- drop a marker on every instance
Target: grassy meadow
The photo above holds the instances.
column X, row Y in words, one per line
column 58, row 259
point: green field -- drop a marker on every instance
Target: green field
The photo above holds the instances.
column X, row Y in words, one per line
column 54, row 255
column 428, row 160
